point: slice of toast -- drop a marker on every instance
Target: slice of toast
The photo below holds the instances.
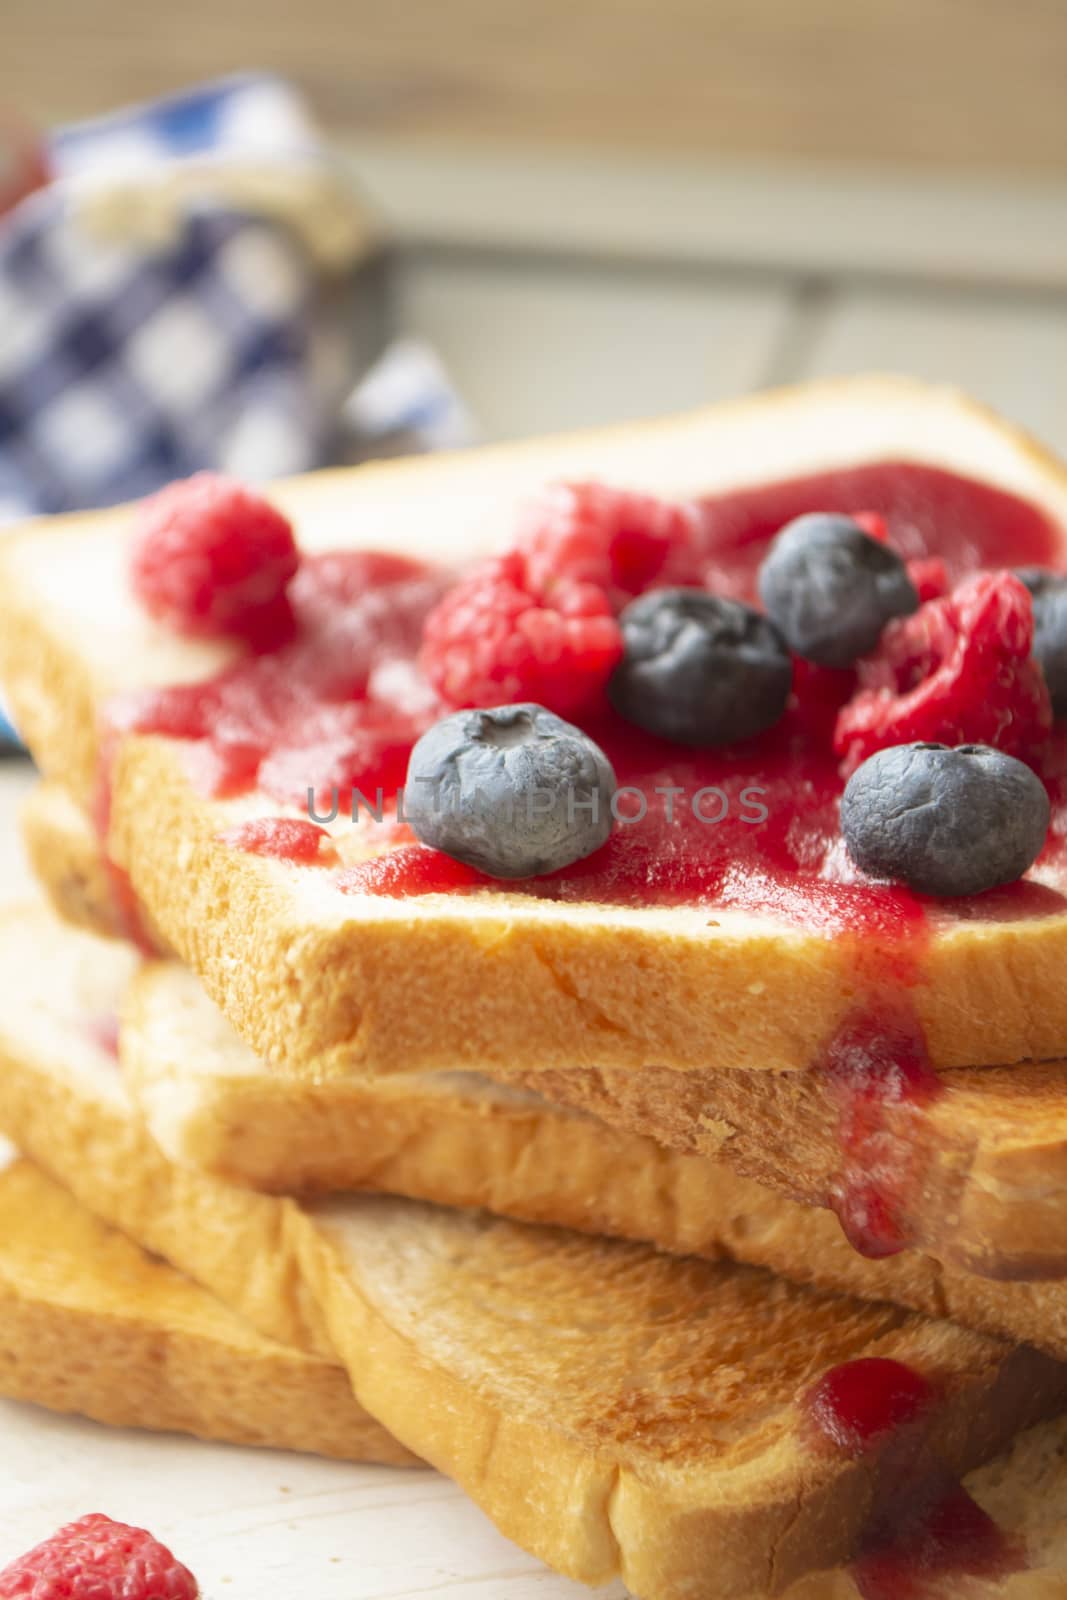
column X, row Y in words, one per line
column 210, row 1115
column 464, row 1140
column 90, row 1323
column 329, row 983
column 987, row 1162
column 614, row 1410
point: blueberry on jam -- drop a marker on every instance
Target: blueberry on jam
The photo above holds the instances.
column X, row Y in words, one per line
column 1048, row 591
column 514, row 792
column 830, row 588
column 699, row 669
column 943, row 821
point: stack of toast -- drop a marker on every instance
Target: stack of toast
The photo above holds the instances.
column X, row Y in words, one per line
column 550, row 1192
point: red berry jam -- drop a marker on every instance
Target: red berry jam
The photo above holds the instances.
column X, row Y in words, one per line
column 925, row 1530
column 284, row 838
column 411, row 869
column 858, row 1402
column 881, row 1077
column 103, row 1030
column 335, row 705
column 926, row 1555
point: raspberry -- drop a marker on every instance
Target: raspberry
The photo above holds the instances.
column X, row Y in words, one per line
column 211, row 557
column 624, row 543
column 538, row 623
column 873, row 524
column 491, row 641
column 958, row 671
column 930, row 577
column 97, row 1559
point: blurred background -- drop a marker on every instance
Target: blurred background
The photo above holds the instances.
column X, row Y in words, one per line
column 583, row 210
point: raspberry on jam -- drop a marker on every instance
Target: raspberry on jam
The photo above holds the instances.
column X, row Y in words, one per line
column 624, row 543
column 959, row 671
column 213, row 557
column 538, row 623
column 930, row 577
column 492, row 641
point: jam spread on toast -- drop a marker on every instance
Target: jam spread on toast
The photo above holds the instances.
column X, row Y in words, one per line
column 924, row 1555
column 881, row 1078
column 858, row 1402
column 925, row 1530
column 337, row 704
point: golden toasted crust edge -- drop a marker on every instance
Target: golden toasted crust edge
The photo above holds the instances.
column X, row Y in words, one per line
column 507, row 992
column 112, row 1166
column 90, row 1324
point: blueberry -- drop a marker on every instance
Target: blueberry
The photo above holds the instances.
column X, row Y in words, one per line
column 945, row 822
column 1038, row 579
column 699, row 669
column 514, row 791
column 831, row 588
column 1049, row 593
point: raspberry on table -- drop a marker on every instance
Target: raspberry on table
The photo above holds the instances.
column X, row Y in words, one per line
column 958, row 671
column 212, row 557
column 98, row 1559
column 491, row 641
column 623, row 542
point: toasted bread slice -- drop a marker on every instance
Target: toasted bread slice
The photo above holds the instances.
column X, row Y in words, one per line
column 90, row 1323
column 987, row 1162
column 215, row 1119
column 462, row 1140
column 615, row 1410
column 326, row 983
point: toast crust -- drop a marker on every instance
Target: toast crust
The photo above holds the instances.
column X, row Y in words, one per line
column 614, row 1410
column 91, row 1324
column 326, row 985
column 989, row 1158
